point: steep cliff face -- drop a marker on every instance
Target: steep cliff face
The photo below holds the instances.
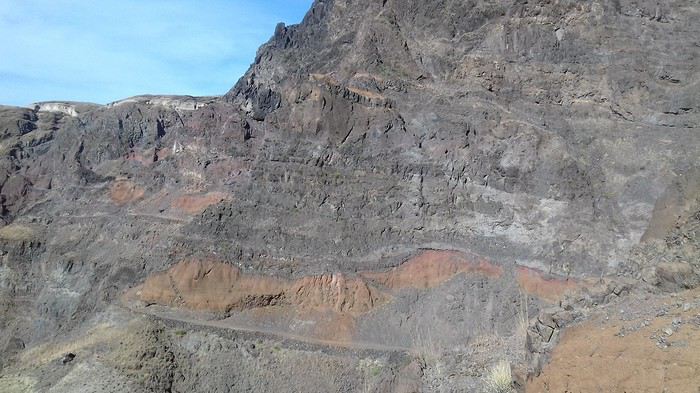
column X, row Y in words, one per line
column 383, row 170
column 548, row 128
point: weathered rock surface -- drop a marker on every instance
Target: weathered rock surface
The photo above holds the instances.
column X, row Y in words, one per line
column 431, row 172
column 656, row 334
column 216, row 286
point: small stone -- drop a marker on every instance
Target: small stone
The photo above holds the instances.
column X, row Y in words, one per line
column 67, row 358
column 546, row 332
column 668, row 331
column 680, row 344
column 686, row 307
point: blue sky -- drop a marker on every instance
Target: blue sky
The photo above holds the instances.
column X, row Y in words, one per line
column 102, row 51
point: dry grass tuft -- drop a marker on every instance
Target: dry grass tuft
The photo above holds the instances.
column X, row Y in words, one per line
column 499, row 379
column 425, row 347
column 16, row 232
column 523, row 315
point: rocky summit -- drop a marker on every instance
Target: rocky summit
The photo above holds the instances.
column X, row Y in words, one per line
column 398, row 196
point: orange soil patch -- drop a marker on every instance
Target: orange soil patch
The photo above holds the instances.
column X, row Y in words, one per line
column 595, row 358
column 216, row 286
column 550, row 289
column 432, row 268
column 336, row 290
column 124, row 191
column 330, row 80
column 194, row 204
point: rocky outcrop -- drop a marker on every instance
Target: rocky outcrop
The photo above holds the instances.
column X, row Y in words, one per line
column 542, row 139
column 680, row 200
column 671, row 262
column 545, row 330
column 432, row 268
column 496, row 104
column 185, row 103
column 546, row 287
column 543, row 335
column 195, row 203
column 215, row 286
column 66, row 108
column 124, row 191
column 654, row 334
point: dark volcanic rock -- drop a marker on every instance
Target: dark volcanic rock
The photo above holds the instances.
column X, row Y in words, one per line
column 520, row 125
column 549, row 136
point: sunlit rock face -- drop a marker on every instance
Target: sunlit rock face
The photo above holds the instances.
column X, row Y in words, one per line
column 59, row 107
column 404, row 176
column 185, row 103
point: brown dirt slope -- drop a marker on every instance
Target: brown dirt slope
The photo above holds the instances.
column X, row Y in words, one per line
column 216, row 286
column 125, row 191
column 546, row 287
column 433, row 267
column 641, row 346
column 194, row 204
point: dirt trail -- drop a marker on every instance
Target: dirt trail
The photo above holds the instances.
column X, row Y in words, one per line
column 173, row 315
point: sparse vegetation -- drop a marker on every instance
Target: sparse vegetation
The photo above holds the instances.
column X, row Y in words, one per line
column 16, row 232
column 499, row 379
column 425, row 346
column 371, row 369
column 17, row 384
column 375, row 370
column 523, row 315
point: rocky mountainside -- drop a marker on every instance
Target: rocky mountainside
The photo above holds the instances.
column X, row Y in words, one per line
column 397, row 195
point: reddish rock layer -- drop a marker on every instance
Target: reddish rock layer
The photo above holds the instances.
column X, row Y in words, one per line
column 216, row 286
column 548, row 288
column 432, row 268
column 197, row 203
column 124, row 191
